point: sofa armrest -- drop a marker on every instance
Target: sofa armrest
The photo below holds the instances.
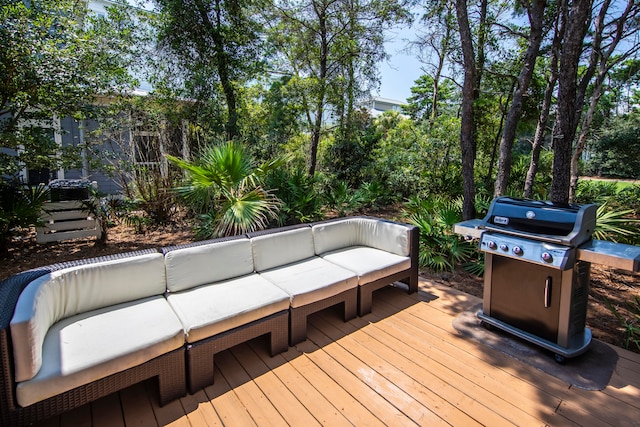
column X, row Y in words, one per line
column 10, row 290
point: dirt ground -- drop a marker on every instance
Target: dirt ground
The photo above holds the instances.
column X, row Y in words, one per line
column 619, row 287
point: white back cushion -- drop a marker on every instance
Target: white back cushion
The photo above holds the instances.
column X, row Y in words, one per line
column 383, row 235
column 200, row 265
column 76, row 290
column 281, row 248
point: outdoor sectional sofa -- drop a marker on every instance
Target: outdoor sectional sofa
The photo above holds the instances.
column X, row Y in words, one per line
column 71, row 333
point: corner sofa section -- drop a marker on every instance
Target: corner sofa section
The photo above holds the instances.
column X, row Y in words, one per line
column 72, row 333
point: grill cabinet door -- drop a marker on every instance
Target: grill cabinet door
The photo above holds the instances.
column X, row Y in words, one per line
column 526, row 296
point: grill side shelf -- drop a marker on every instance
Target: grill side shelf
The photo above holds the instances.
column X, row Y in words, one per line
column 616, row 255
column 470, row 229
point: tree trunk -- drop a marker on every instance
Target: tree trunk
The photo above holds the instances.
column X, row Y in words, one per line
column 565, row 126
column 222, row 66
column 538, row 140
column 496, row 142
column 604, row 62
column 322, row 76
column 467, row 128
column 536, row 17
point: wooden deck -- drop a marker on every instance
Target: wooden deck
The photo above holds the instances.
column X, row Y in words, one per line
column 404, row 364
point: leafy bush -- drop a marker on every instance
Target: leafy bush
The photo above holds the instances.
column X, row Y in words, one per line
column 629, row 198
column 595, row 191
column 301, row 201
column 21, row 206
column 440, row 248
column 343, row 199
column 631, row 326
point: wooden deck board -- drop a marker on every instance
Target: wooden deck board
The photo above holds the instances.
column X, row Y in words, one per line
column 403, row 364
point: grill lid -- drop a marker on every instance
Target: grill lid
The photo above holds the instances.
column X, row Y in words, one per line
column 566, row 224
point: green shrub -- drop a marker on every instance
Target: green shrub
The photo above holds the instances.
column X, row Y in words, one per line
column 342, row 199
column 631, row 326
column 20, row 207
column 440, row 248
column 301, row 201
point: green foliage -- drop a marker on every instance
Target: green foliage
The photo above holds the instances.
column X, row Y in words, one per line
column 343, row 199
column 225, row 188
column 21, row 206
column 440, row 248
column 349, row 151
column 54, row 59
column 420, row 103
column 629, row 197
column 631, row 326
column 595, row 191
column 413, row 159
column 301, row 200
column 616, row 152
column 616, row 225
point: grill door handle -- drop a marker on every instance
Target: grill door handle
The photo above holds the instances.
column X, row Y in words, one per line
column 547, row 292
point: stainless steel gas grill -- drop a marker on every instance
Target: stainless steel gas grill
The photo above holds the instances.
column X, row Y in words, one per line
column 537, row 261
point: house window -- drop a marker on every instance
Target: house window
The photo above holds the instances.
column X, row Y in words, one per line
column 147, row 147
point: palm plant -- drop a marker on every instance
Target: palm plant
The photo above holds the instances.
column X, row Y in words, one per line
column 615, row 225
column 20, row 207
column 440, row 248
column 225, row 187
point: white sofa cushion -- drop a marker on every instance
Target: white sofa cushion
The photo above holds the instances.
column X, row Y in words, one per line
column 76, row 290
column 311, row 280
column 379, row 234
column 200, row 265
column 368, row 263
column 93, row 345
column 281, row 248
column 208, row 310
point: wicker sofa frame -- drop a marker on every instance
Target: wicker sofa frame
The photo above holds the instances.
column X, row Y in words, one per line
column 188, row 368
column 167, row 370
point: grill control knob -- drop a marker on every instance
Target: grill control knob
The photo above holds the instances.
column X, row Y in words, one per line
column 546, row 256
column 492, row 244
column 517, row 250
column 504, row 247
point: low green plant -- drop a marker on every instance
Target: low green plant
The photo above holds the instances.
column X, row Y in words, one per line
column 20, row 207
column 631, row 326
column 301, row 201
column 343, row 199
column 616, row 225
column 440, row 248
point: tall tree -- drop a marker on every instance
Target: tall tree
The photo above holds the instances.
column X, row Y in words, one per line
column 535, row 12
column 552, row 78
column 612, row 32
column 566, row 120
column 217, row 43
column 438, row 39
column 55, row 58
column 469, row 94
column 331, row 47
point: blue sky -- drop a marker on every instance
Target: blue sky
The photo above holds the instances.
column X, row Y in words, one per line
column 400, row 72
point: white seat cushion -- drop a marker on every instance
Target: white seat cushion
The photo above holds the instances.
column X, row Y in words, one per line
column 368, row 263
column 208, row 310
column 311, row 280
column 93, row 345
